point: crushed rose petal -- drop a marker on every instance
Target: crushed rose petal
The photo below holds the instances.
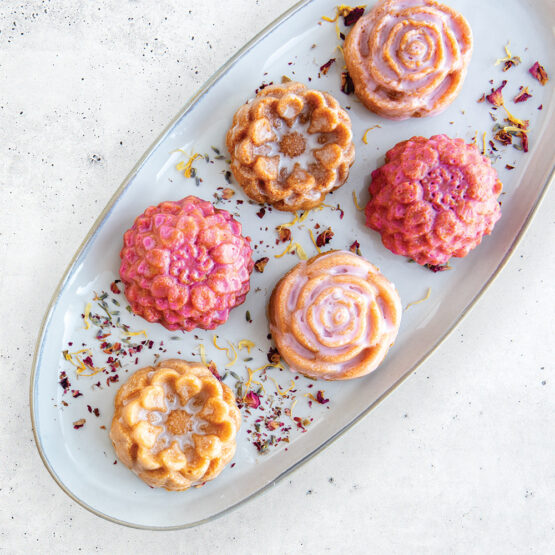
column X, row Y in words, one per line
column 273, row 356
column 523, row 95
column 538, row 72
column 482, row 98
column 114, row 287
column 227, row 193
column 353, row 15
column 214, row 370
column 79, row 423
column 509, row 167
column 503, row 137
column 438, row 267
column 347, row 85
column 260, row 264
column 326, row 67
column 355, row 248
column 284, row 234
column 496, row 96
column 320, row 397
column 252, row 400
column 524, row 141
column 261, row 212
column 324, row 237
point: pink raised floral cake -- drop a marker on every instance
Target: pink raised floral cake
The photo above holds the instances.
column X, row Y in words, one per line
column 433, row 199
column 185, row 264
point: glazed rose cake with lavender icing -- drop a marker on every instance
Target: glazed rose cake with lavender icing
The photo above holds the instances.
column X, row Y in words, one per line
column 408, row 58
column 334, row 316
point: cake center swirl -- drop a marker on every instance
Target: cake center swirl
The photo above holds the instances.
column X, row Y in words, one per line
column 292, row 144
column 178, row 422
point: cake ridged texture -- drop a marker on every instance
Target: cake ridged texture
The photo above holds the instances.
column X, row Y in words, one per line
column 185, row 264
column 175, row 424
column 334, row 316
column 290, row 146
column 408, row 58
column 433, row 199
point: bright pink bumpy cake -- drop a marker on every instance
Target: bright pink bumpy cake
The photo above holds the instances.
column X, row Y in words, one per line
column 185, row 264
column 433, row 199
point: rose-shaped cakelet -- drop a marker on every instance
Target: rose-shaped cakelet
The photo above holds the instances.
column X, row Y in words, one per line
column 290, row 146
column 175, row 424
column 334, row 316
column 408, row 58
column 185, row 264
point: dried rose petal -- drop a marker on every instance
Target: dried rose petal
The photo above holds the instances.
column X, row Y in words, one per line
column 260, row 264
column 64, row 382
column 272, row 425
column 79, row 423
column 511, row 62
column 114, row 287
column 325, row 237
column 509, row 167
column 538, row 72
column 347, row 85
column 355, row 247
column 438, row 267
column 284, row 234
column 214, row 370
column 496, row 96
column 326, row 67
column 227, row 193
column 273, row 356
column 320, row 397
column 503, row 137
column 353, row 16
column 252, row 400
column 524, row 141
column 482, row 98
column 523, row 95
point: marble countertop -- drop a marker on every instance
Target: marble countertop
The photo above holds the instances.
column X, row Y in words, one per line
column 460, row 459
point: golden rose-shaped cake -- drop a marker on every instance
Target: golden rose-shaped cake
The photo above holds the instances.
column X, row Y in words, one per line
column 290, row 146
column 334, row 316
column 408, row 58
column 175, row 424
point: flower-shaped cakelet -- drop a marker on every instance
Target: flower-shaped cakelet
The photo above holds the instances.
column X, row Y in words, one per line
column 185, row 264
column 334, row 316
column 433, row 199
column 290, row 146
column 175, row 425
column 408, row 58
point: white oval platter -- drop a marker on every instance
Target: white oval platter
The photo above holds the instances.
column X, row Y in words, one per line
column 82, row 460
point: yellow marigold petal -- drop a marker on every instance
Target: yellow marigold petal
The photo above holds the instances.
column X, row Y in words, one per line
column 421, row 300
column 245, row 344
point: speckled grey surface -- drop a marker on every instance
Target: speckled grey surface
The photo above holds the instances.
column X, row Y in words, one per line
column 459, row 460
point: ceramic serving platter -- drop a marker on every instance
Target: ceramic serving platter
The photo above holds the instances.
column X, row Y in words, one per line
column 82, row 460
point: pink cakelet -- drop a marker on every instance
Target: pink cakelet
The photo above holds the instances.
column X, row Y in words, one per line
column 185, row 264
column 433, row 199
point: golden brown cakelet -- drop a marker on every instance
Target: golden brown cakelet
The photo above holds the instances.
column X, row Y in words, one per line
column 334, row 316
column 408, row 58
column 175, row 424
column 290, row 146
